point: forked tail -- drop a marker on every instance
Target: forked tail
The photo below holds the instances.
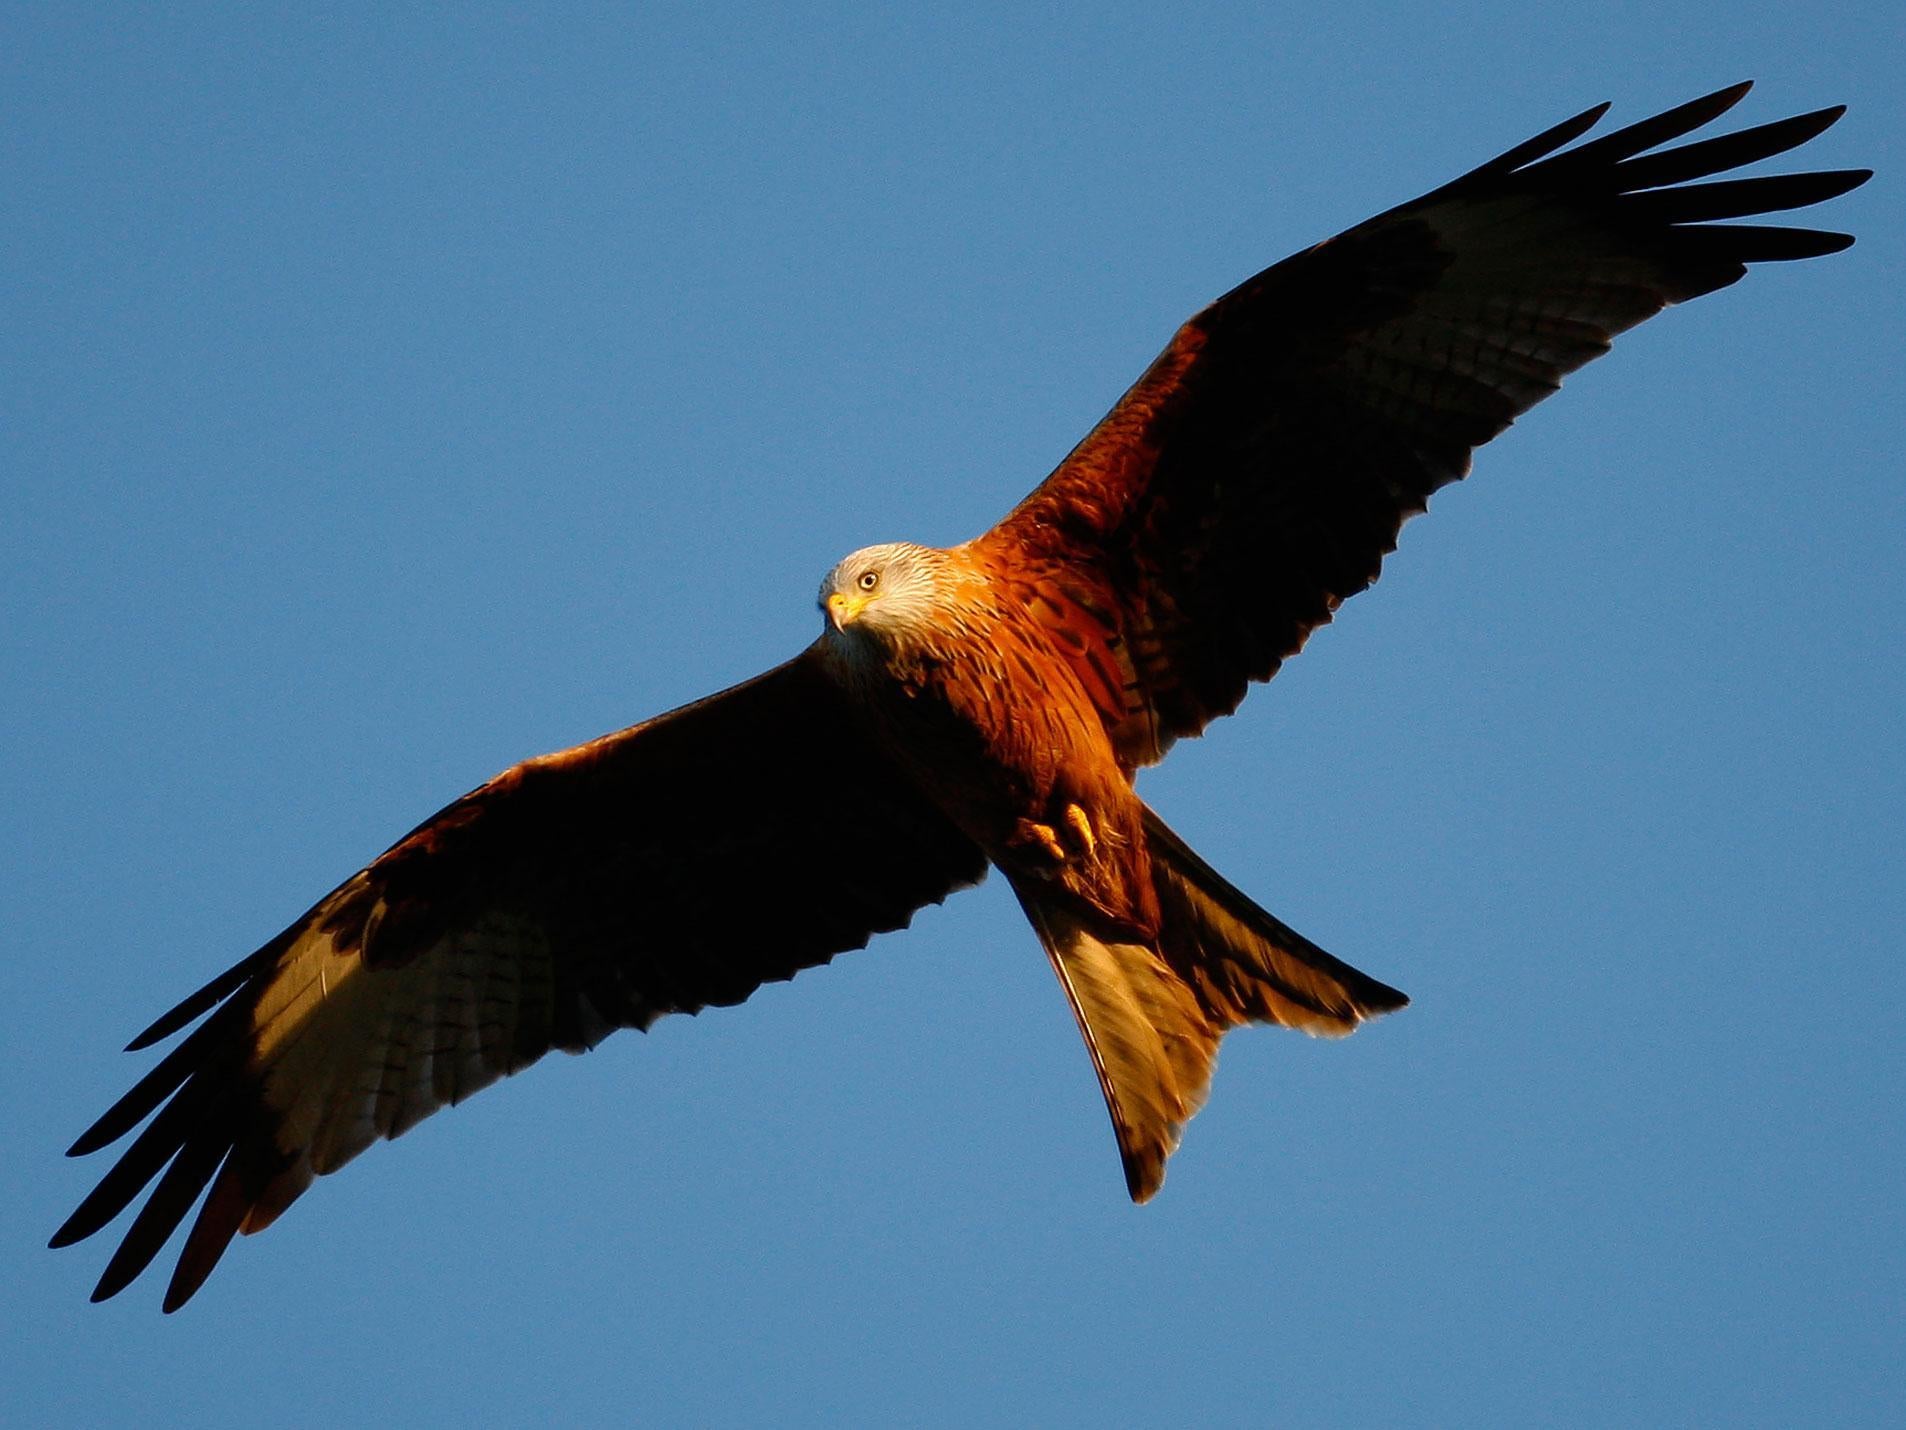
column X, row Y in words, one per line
column 1152, row 1015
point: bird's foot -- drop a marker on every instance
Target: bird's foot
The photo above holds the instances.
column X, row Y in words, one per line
column 1072, row 839
column 1041, row 836
column 1080, row 825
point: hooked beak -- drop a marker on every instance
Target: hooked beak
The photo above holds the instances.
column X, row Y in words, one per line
column 842, row 608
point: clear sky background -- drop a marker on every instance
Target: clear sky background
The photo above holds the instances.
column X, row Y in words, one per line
column 389, row 397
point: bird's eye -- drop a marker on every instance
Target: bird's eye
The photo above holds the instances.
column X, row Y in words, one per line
column 868, row 580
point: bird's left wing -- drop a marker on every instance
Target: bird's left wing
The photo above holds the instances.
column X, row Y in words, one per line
column 674, row 865
column 1259, row 472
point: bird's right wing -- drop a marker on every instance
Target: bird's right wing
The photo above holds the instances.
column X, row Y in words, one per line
column 676, row 864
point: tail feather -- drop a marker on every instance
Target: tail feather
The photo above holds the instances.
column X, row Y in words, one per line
column 1151, row 1042
column 1152, row 1015
column 1246, row 965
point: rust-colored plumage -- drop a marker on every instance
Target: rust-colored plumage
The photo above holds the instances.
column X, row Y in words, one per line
column 982, row 706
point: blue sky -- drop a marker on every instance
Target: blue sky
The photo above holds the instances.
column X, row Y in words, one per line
column 391, row 395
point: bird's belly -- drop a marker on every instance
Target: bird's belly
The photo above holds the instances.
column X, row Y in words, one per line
column 1016, row 753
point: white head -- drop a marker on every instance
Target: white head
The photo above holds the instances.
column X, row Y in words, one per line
column 884, row 591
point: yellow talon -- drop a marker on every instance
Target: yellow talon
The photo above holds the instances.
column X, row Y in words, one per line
column 1082, row 827
column 1043, row 835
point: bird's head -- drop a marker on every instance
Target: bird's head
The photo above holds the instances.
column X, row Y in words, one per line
column 882, row 592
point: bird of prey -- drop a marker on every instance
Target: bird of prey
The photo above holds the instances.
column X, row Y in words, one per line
column 986, row 705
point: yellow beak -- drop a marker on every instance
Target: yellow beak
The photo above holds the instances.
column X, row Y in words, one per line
column 842, row 608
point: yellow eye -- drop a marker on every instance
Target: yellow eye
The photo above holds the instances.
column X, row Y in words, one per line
column 868, row 580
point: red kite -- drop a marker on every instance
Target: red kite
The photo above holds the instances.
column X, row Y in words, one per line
column 984, row 705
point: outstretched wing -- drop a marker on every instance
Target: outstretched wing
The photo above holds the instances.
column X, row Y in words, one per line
column 1261, row 469
column 671, row 866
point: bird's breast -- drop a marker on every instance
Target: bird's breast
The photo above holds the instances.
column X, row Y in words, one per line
column 997, row 728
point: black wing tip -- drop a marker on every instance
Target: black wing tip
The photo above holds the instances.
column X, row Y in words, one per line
column 103, row 1133
column 1798, row 129
column 180, row 1014
column 117, row 1277
column 1745, row 243
column 1794, row 130
column 1826, row 241
column 88, row 1219
column 1533, row 149
column 1586, row 120
column 1669, row 124
column 104, row 1292
column 87, row 1143
column 1842, row 181
column 218, row 990
column 1548, row 147
column 183, row 1287
column 1646, row 181
column 132, row 1258
column 1705, row 109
